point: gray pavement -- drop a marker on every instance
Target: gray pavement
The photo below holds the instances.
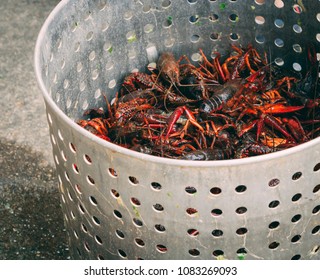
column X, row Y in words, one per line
column 31, row 223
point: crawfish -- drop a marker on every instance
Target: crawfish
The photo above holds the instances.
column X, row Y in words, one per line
column 97, row 126
column 169, row 68
column 220, row 97
column 251, row 148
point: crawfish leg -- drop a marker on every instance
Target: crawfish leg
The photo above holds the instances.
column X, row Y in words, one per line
column 272, row 122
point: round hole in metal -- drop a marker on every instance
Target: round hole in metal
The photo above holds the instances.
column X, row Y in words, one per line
column 98, row 239
column 190, row 190
column 297, row 48
column 274, row 225
column 296, row 257
column 112, row 173
column 316, row 167
column 217, row 233
column 122, row 253
column 316, row 229
column 274, row 204
column 297, row 28
column 260, row 20
column 139, row 242
column 90, row 180
column 137, row 222
column 133, row 180
column 87, row 159
column 296, row 175
column 148, row 28
column 81, row 208
column 279, row 42
column 279, row 23
column 241, row 253
column 195, row 38
column 234, row 18
column 316, row 209
column 260, row 39
column 159, row 228
column 279, row 61
column 96, row 220
column 135, row 202
column 192, row 212
column 241, row 210
column 193, row 232
column 279, row 4
column 216, row 212
column 296, row 238
column 217, row 253
column 213, row 17
column 167, row 23
column 161, row 248
column 63, row 155
column 156, row 186
column 316, row 189
column 274, row 182
column 296, row 218
column 296, row 197
column 194, row 252
column 72, row 215
column 115, row 193
column 296, row 66
column 297, row 9
column 194, row 18
column 274, row 245
column 100, row 257
column 93, row 200
column 146, row 8
column 75, row 168
column 158, row 207
column 214, row 36
column 215, row 191
column 117, row 214
column 166, row 4
column 241, row 188
column 72, row 147
column 84, row 228
column 242, row 231
column 69, row 195
column 234, row 36
column 78, row 188
column 86, row 246
column 89, row 36
column 119, row 233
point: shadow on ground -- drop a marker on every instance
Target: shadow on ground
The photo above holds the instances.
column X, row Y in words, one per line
column 31, row 219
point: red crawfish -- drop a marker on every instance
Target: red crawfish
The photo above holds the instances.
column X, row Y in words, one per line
column 97, row 126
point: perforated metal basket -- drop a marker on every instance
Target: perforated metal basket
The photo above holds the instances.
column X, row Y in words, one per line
column 121, row 204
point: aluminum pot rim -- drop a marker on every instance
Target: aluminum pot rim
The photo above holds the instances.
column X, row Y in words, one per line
column 138, row 155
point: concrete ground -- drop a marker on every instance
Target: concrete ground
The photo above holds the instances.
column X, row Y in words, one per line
column 31, row 223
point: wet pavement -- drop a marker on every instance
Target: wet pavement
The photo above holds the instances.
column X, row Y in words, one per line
column 31, row 219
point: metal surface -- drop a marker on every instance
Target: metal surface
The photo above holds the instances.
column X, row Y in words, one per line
column 120, row 204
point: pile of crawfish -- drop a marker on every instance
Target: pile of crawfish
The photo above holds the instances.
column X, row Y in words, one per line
column 222, row 108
